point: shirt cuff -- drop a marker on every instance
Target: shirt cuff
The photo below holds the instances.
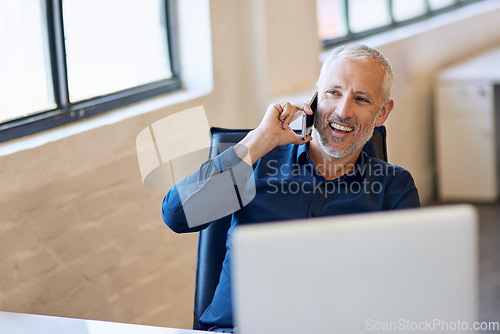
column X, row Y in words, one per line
column 227, row 159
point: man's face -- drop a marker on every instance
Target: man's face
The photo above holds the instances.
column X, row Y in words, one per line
column 350, row 105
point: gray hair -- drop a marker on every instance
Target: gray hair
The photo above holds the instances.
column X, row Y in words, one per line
column 363, row 53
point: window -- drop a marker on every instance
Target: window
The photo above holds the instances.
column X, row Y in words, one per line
column 63, row 60
column 340, row 21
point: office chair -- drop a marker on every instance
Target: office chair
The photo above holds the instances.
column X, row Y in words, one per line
column 212, row 240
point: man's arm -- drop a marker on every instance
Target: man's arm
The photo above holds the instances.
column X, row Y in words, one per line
column 189, row 205
column 223, row 185
column 402, row 192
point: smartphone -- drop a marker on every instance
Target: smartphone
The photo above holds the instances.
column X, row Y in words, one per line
column 308, row 120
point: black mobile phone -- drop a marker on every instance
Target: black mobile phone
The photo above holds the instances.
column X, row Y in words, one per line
column 308, row 120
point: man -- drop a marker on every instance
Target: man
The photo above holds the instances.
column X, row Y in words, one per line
column 326, row 174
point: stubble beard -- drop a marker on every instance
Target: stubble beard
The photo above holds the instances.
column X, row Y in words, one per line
column 356, row 144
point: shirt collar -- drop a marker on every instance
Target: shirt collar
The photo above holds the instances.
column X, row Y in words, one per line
column 303, row 157
column 360, row 163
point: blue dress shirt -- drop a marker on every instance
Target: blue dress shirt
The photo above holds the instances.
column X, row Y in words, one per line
column 288, row 186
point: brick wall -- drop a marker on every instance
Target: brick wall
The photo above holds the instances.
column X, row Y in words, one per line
column 80, row 236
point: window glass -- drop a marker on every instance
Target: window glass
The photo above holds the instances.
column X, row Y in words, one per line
column 368, row 14
column 25, row 72
column 331, row 18
column 436, row 4
column 121, row 45
column 407, row 9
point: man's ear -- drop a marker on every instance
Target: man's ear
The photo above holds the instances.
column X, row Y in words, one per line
column 384, row 112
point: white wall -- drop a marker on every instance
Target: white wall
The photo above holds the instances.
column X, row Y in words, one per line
column 416, row 59
column 80, row 235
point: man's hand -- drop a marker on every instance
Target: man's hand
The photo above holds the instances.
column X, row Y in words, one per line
column 274, row 130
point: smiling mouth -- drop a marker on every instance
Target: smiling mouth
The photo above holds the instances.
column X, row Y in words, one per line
column 341, row 128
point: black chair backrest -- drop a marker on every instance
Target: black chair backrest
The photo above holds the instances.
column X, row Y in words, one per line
column 212, row 240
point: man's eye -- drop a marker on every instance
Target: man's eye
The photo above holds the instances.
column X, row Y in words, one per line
column 334, row 92
column 362, row 99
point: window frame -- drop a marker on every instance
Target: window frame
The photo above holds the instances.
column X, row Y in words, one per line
column 351, row 36
column 66, row 111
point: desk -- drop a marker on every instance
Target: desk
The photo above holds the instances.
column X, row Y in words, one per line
column 20, row 323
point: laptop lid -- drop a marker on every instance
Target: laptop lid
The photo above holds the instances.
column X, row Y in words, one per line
column 401, row 271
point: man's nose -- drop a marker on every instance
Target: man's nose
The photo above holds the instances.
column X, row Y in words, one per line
column 344, row 109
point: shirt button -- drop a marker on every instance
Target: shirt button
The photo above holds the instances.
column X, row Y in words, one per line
column 227, row 163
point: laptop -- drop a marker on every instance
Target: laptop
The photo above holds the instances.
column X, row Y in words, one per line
column 404, row 271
